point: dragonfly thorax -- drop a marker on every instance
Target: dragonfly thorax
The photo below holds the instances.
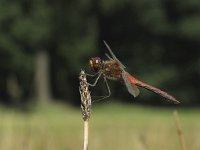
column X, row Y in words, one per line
column 95, row 64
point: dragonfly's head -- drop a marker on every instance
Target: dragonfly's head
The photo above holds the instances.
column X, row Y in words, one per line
column 95, row 64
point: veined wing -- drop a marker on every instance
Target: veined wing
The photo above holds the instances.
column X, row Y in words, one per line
column 132, row 88
column 113, row 56
column 108, row 57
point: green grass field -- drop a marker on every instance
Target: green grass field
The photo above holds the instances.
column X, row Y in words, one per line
column 112, row 127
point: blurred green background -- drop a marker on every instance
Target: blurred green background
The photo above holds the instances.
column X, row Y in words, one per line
column 45, row 44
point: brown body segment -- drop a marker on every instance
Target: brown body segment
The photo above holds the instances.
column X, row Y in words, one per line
column 112, row 70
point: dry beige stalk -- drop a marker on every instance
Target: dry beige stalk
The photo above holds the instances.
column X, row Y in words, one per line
column 179, row 131
column 85, row 96
column 85, row 105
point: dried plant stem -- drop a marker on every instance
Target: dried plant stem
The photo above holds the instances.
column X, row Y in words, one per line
column 86, row 133
column 85, row 106
column 179, row 131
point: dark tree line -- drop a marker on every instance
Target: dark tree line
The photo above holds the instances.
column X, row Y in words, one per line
column 157, row 40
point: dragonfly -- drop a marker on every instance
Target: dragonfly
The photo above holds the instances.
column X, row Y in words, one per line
column 113, row 69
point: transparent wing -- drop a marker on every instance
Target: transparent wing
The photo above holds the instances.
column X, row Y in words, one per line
column 132, row 88
column 108, row 56
column 113, row 56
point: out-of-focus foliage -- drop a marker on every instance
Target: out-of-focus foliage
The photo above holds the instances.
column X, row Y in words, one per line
column 157, row 40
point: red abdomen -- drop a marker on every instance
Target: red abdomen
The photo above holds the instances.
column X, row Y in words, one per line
column 151, row 88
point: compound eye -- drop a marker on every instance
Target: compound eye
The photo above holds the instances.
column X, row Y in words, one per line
column 91, row 63
column 97, row 61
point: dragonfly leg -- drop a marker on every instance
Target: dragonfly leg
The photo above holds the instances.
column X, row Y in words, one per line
column 97, row 79
column 92, row 75
column 107, row 87
column 108, row 90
